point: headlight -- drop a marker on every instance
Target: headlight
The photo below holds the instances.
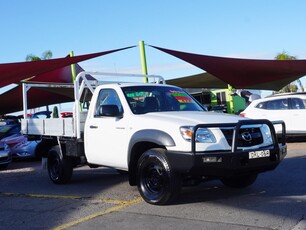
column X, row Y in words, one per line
column 6, row 147
column 267, row 134
column 203, row 135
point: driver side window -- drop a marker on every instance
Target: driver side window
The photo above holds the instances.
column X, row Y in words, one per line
column 108, row 97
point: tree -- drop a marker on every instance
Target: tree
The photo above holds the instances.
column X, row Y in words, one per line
column 45, row 55
column 55, row 112
column 284, row 56
column 290, row 87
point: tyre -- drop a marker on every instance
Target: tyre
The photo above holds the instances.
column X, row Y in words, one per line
column 60, row 168
column 240, row 181
column 157, row 183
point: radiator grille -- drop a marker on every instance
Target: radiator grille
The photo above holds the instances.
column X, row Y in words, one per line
column 247, row 137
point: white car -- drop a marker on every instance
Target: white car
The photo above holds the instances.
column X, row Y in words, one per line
column 289, row 107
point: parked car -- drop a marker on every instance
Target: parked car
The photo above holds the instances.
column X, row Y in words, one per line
column 20, row 147
column 66, row 114
column 12, row 141
column 9, row 121
column 289, row 107
column 41, row 114
column 5, row 156
column 219, row 109
column 7, row 127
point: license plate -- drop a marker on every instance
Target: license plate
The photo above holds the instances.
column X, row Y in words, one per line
column 259, row 154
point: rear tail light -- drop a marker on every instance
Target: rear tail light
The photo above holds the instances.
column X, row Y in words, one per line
column 242, row 114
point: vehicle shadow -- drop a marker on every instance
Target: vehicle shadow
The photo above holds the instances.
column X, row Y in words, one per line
column 287, row 180
column 297, row 139
column 277, row 192
column 85, row 182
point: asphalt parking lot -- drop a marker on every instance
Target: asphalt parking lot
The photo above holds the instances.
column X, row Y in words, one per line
column 102, row 199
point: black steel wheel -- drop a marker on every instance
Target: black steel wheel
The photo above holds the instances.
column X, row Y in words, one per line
column 157, row 183
column 60, row 168
column 239, row 181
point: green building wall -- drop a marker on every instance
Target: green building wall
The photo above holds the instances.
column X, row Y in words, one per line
column 234, row 104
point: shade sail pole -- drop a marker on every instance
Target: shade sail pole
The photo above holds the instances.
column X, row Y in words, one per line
column 143, row 60
column 73, row 72
column 25, row 89
column 230, row 101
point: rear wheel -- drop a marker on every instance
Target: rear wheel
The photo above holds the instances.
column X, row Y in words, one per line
column 60, row 168
column 239, row 181
column 157, row 183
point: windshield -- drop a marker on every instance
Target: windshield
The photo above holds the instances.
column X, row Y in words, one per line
column 145, row 99
column 7, row 130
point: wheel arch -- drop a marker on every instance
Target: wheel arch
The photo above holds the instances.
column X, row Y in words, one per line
column 44, row 146
column 140, row 142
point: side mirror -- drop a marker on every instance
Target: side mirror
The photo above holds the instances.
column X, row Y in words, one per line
column 109, row 111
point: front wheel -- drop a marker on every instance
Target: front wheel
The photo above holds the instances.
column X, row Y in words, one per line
column 157, row 183
column 60, row 168
column 239, row 181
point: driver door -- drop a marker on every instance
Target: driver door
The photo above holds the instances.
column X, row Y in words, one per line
column 106, row 141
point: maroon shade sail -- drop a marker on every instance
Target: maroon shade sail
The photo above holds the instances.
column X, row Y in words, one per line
column 15, row 72
column 60, row 75
column 202, row 80
column 53, row 70
column 11, row 101
column 244, row 73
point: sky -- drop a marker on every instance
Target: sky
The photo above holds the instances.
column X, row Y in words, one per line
column 256, row 29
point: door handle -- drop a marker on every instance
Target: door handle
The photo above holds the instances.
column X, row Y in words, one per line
column 93, row 126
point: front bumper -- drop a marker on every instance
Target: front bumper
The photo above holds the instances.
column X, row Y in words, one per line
column 220, row 164
column 233, row 162
column 5, row 157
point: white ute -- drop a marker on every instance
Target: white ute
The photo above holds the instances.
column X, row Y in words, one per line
column 156, row 132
